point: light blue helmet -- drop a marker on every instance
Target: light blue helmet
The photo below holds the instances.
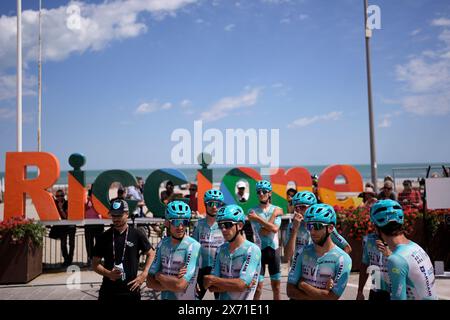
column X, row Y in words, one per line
column 178, row 210
column 213, row 195
column 232, row 212
column 263, row 185
column 385, row 211
column 304, row 197
column 321, row 213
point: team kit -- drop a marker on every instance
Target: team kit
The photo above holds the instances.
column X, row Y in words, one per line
column 219, row 258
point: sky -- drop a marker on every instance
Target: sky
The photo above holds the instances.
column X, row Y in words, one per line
column 121, row 78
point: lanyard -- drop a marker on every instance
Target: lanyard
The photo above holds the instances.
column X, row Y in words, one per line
column 124, row 247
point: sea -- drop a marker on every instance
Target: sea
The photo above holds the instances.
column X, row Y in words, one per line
column 399, row 171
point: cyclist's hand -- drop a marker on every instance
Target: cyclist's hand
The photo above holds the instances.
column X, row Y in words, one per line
column 252, row 216
column 384, row 249
column 298, row 218
column 182, row 272
column 330, row 284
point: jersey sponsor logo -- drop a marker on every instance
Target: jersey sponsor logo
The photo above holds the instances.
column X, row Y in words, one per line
column 247, row 260
column 427, row 280
column 395, row 270
column 130, row 244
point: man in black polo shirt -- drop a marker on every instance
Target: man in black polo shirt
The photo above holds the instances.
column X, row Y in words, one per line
column 121, row 247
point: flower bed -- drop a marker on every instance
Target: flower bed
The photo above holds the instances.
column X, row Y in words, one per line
column 20, row 250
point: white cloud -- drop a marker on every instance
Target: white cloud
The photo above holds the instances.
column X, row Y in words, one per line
column 285, row 21
column 224, row 106
column 185, row 103
column 152, row 106
column 303, row 17
column 166, row 106
column 7, row 113
column 100, row 25
column 199, row 21
column 415, row 32
column 305, row 121
column 8, row 86
column 229, row 27
column 441, row 22
column 426, row 77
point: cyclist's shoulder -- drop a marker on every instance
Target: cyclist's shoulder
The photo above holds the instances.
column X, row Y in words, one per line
column 250, row 245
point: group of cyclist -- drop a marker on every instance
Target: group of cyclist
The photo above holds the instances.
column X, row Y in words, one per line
column 218, row 257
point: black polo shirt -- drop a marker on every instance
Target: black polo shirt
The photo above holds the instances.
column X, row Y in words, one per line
column 136, row 245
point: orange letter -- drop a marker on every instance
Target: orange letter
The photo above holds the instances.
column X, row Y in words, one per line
column 17, row 185
column 328, row 188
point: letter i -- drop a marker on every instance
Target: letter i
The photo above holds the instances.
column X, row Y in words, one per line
column 77, row 183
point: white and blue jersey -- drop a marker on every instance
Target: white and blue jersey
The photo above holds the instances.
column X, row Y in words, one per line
column 210, row 238
column 270, row 240
column 169, row 259
column 411, row 273
column 244, row 263
column 304, row 237
column 376, row 260
column 336, row 264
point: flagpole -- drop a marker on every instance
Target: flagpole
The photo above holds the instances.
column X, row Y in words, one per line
column 40, row 80
column 19, row 75
column 373, row 157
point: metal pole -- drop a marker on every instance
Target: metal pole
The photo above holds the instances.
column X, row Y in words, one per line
column 40, row 80
column 373, row 161
column 19, row 75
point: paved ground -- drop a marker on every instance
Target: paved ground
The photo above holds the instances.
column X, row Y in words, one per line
column 63, row 286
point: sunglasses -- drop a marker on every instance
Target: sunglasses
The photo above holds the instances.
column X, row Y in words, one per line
column 301, row 207
column 216, row 204
column 192, row 189
column 226, row 225
column 316, row 226
column 60, row 196
column 178, row 222
column 259, row 192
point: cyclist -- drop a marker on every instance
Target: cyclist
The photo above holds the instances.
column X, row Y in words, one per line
column 266, row 221
column 210, row 237
column 320, row 270
column 175, row 266
column 374, row 260
column 238, row 261
column 410, row 270
column 297, row 235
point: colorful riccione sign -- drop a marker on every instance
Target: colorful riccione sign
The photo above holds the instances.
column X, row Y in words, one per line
column 17, row 186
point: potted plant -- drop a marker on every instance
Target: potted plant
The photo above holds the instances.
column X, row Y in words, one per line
column 20, row 250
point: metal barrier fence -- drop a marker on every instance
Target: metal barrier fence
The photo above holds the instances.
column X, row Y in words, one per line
column 52, row 258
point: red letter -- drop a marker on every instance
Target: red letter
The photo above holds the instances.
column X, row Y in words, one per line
column 17, row 185
column 328, row 188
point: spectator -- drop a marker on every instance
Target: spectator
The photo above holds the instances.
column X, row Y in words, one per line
column 92, row 232
column 120, row 195
column 387, row 191
column 136, row 193
column 241, row 195
column 368, row 193
column 121, row 248
column 409, row 196
column 388, row 178
column 193, row 201
column 65, row 230
column 289, row 194
column 167, row 195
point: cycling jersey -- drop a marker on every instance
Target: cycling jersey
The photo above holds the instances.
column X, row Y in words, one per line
column 316, row 271
column 270, row 240
column 210, row 238
column 244, row 263
column 411, row 273
column 373, row 258
column 169, row 259
column 304, row 238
